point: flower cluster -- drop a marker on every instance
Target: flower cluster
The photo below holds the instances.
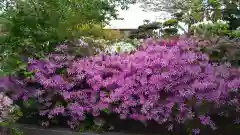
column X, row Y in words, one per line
column 85, row 46
column 9, row 113
column 222, row 22
column 120, row 47
column 5, row 107
column 219, row 27
column 166, row 84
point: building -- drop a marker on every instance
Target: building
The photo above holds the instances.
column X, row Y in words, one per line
column 135, row 17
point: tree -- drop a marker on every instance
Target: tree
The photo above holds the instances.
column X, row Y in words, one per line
column 146, row 21
column 32, row 28
column 188, row 11
column 170, row 27
column 232, row 13
column 193, row 11
column 145, row 30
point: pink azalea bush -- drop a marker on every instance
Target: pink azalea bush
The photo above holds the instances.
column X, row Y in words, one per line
column 165, row 83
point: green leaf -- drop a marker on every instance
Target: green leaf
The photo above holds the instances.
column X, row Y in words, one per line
column 59, row 103
column 29, row 103
column 106, row 111
column 35, row 27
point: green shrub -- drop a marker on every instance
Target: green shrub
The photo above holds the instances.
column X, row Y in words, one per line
column 235, row 33
column 222, row 49
column 170, row 22
column 209, row 28
column 32, row 28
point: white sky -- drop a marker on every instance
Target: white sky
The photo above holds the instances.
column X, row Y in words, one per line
column 134, row 16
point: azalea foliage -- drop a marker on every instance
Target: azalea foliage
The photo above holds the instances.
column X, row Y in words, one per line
column 166, row 83
column 222, row 49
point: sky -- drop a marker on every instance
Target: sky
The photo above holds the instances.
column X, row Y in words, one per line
column 134, row 16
